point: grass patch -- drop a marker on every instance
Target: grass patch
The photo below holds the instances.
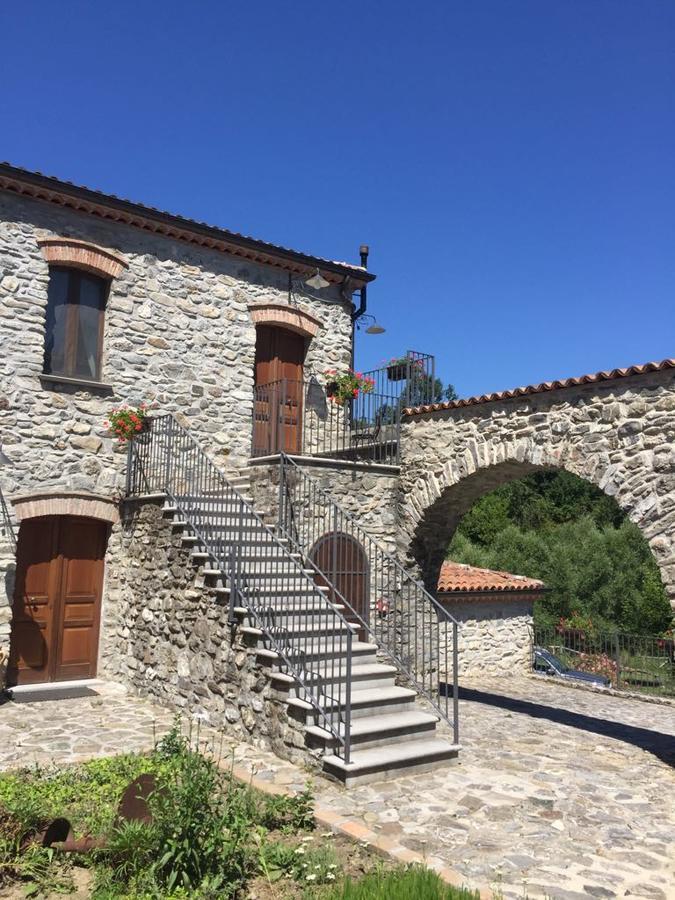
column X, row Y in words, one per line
column 399, row 884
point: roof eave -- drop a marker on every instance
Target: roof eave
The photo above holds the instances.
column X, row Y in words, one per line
column 49, row 189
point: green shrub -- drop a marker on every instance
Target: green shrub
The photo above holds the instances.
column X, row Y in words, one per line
column 399, row 884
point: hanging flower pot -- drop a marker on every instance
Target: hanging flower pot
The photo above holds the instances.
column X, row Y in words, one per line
column 342, row 388
column 397, row 369
column 130, row 423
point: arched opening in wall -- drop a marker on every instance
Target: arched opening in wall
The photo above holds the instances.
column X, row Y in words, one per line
column 344, row 562
column 604, row 591
column 278, row 397
column 57, row 599
column 552, row 525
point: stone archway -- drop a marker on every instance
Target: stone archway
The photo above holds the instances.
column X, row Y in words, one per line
column 618, row 435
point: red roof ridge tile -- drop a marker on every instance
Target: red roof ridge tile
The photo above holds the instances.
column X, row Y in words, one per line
column 543, row 387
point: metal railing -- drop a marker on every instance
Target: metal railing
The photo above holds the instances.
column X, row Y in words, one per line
column 409, row 379
column 383, row 600
column 6, row 526
column 310, row 635
column 299, row 418
column 630, row 662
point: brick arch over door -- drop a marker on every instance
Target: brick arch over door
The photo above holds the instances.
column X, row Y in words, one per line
column 620, row 436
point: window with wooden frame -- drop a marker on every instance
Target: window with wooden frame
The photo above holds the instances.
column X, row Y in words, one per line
column 74, row 326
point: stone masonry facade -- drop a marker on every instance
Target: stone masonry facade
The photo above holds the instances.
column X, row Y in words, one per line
column 495, row 636
column 619, row 435
column 179, row 334
column 168, row 637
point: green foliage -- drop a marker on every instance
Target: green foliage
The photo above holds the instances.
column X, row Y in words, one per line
column 90, row 792
column 303, row 863
column 288, row 814
column 400, row 884
column 564, row 531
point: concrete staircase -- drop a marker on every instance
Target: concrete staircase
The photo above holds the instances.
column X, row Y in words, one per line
column 390, row 733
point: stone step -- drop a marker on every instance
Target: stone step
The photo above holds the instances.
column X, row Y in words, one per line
column 362, row 653
column 315, row 626
column 378, row 731
column 364, row 676
column 379, row 763
column 372, row 702
column 300, row 613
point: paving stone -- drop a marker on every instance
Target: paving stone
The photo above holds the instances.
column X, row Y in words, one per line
column 614, row 831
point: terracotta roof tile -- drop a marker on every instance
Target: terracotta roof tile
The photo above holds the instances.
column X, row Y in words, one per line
column 543, row 387
column 11, row 175
column 458, row 577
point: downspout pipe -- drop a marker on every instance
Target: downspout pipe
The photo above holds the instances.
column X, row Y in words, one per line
column 364, row 250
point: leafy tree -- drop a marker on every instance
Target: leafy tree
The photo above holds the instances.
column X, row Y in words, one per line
column 564, row 531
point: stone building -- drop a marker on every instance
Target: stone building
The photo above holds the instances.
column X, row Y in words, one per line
column 261, row 551
column 154, row 562
column 495, row 611
column 170, row 312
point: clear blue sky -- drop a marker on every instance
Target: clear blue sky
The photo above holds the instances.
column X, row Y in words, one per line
column 510, row 162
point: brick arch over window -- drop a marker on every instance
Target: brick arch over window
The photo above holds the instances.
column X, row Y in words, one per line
column 64, row 251
column 283, row 316
column 88, row 506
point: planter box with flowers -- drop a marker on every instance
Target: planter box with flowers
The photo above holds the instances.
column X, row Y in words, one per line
column 342, row 388
column 128, row 422
column 402, row 367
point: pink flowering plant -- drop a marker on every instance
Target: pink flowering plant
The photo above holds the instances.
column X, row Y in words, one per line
column 598, row 664
column 348, row 386
column 127, row 421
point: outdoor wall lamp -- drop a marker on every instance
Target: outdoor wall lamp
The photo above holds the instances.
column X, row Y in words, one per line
column 317, row 281
column 374, row 327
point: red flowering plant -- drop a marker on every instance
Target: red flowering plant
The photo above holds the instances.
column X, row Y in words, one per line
column 127, row 421
column 348, row 386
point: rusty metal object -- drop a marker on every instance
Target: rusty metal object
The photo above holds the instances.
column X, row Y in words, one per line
column 133, row 807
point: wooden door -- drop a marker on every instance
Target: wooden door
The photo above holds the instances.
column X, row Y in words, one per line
column 344, row 562
column 279, row 356
column 57, row 600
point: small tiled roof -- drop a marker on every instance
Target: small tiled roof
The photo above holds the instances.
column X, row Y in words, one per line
column 460, row 578
column 84, row 199
column 543, row 387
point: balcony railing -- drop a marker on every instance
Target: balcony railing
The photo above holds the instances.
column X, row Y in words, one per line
column 298, row 418
column 410, row 379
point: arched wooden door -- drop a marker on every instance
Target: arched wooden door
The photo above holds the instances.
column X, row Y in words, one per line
column 279, row 356
column 344, row 562
column 57, row 599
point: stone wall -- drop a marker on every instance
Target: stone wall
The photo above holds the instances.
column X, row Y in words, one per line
column 366, row 492
column 170, row 640
column 178, row 333
column 494, row 634
column 619, row 435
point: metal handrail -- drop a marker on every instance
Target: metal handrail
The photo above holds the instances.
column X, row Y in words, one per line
column 262, row 573
column 409, row 625
column 299, row 417
column 7, row 526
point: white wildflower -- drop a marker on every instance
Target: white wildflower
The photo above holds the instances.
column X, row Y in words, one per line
column 311, row 878
column 300, row 851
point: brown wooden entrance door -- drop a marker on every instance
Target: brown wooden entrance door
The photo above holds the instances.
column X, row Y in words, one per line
column 344, row 562
column 57, row 599
column 279, row 356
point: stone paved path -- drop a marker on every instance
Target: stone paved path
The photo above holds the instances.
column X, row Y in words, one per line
column 559, row 793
